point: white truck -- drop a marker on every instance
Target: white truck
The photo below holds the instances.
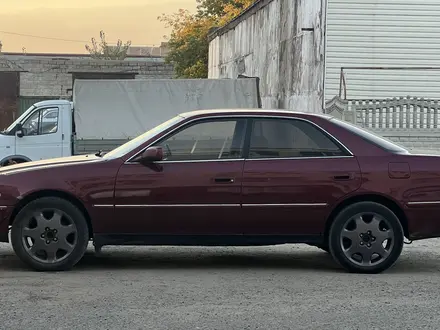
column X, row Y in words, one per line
column 107, row 113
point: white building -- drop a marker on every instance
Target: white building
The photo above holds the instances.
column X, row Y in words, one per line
column 298, row 48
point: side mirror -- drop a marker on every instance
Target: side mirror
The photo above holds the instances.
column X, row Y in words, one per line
column 152, row 154
column 19, row 130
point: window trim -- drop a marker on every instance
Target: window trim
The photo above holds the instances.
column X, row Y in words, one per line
column 246, row 145
column 343, row 148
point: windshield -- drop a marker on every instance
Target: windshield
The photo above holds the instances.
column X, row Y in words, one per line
column 368, row 135
column 18, row 120
column 136, row 142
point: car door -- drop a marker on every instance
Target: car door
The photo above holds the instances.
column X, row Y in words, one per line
column 195, row 190
column 42, row 135
column 294, row 174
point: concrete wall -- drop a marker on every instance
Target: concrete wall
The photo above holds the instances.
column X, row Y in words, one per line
column 415, row 139
column 410, row 122
column 52, row 76
column 280, row 41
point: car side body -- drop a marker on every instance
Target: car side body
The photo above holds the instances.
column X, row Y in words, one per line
column 232, row 201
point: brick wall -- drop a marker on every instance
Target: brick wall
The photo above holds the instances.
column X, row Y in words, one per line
column 52, row 76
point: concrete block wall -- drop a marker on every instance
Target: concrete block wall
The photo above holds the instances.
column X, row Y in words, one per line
column 414, row 139
column 45, row 84
column 50, row 76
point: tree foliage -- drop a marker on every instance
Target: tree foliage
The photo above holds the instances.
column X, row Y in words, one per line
column 188, row 42
column 104, row 51
column 213, row 8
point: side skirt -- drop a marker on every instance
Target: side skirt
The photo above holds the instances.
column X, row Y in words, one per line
column 204, row 240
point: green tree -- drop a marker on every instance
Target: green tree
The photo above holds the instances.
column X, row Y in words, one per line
column 104, row 51
column 188, row 42
column 212, row 7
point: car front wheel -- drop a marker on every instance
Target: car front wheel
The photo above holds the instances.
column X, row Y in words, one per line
column 366, row 237
column 50, row 234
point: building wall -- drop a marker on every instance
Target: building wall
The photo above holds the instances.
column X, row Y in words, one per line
column 371, row 33
column 269, row 41
column 52, row 76
column 419, row 139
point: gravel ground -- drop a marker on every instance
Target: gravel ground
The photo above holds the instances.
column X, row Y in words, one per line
column 281, row 287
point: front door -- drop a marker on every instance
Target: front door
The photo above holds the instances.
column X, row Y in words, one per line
column 42, row 135
column 293, row 176
column 195, row 190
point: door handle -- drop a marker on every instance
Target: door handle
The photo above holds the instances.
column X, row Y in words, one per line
column 224, row 180
column 343, row 177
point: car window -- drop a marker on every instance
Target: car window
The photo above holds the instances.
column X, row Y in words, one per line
column 43, row 121
column 371, row 137
column 285, row 138
column 207, row 140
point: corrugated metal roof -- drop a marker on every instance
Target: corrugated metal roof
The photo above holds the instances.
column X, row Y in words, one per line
column 372, row 33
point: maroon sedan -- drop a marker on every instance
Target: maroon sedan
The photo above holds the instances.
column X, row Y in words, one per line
column 228, row 177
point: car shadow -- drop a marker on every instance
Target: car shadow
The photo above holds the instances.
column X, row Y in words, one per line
column 180, row 258
column 209, row 260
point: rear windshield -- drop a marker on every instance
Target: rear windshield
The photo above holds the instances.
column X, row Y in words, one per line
column 371, row 137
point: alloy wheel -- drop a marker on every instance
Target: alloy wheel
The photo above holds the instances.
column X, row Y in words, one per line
column 49, row 235
column 367, row 239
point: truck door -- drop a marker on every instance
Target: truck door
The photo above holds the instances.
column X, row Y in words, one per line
column 42, row 134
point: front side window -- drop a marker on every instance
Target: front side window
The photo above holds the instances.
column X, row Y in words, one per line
column 289, row 138
column 208, row 140
column 43, row 121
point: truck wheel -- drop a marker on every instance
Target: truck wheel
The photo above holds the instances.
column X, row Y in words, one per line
column 13, row 161
column 366, row 237
column 50, row 234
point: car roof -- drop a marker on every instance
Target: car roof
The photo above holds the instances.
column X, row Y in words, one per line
column 251, row 112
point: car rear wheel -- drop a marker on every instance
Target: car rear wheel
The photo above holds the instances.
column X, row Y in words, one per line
column 366, row 237
column 50, row 234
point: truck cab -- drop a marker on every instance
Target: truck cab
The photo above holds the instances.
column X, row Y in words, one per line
column 43, row 131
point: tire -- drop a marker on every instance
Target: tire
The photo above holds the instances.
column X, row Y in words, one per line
column 50, row 234
column 361, row 229
column 12, row 162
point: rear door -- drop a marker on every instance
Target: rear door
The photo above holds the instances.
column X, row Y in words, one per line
column 295, row 172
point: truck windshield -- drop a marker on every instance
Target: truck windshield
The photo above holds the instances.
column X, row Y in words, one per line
column 136, row 142
column 18, row 120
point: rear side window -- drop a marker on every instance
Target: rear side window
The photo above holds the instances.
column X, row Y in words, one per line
column 371, row 137
column 290, row 138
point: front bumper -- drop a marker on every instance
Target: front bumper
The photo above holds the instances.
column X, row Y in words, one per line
column 5, row 215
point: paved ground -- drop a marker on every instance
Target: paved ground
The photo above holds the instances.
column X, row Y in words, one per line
column 284, row 287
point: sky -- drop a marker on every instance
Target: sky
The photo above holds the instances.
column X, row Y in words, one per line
column 80, row 20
